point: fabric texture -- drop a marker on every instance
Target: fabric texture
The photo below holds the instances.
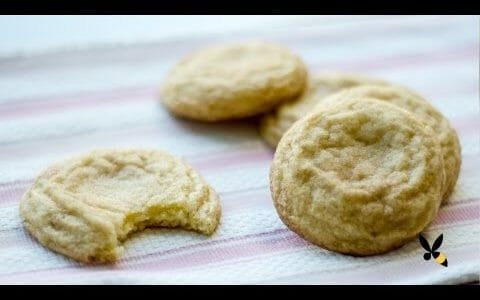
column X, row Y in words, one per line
column 69, row 102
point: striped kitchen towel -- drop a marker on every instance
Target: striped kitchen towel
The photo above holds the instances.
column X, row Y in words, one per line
column 53, row 105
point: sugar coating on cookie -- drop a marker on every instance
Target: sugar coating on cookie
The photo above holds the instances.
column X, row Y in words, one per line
column 275, row 123
column 359, row 177
column 421, row 108
column 233, row 81
column 86, row 206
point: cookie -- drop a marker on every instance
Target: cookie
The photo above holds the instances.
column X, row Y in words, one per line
column 274, row 124
column 421, row 108
column 86, row 206
column 233, row 81
column 358, row 177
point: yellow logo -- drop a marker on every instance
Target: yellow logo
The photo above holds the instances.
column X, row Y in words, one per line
column 439, row 257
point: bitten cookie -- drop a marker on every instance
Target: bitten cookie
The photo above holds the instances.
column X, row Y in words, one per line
column 274, row 124
column 358, row 177
column 413, row 102
column 86, row 206
column 233, row 81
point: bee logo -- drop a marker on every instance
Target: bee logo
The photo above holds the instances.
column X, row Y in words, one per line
column 439, row 257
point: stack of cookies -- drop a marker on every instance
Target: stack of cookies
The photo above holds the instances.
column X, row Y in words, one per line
column 361, row 165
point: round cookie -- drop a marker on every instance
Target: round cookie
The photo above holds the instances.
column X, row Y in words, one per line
column 413, row 102
column 233, row 81
column 86, row 206
column 358, row 177
column 274, row 124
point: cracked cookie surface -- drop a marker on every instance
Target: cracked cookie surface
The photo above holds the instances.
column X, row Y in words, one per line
column 358, row 177
column 421, row 108
column 84, row 207
column 233, row 81
column 275, row 123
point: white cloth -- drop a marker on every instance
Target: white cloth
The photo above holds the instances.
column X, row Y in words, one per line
column 57, row 104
